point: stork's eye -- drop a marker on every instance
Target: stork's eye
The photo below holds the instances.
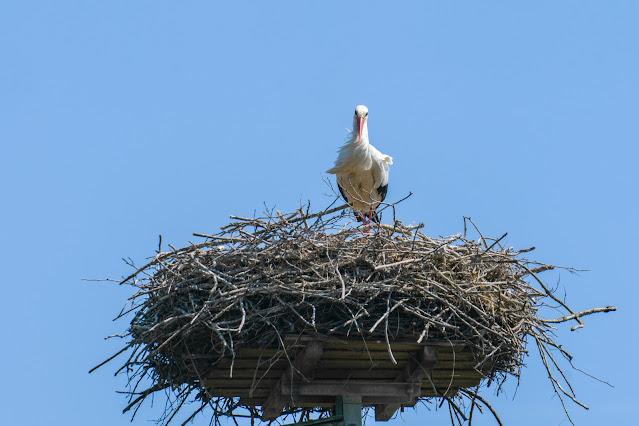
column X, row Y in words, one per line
column 366, row 115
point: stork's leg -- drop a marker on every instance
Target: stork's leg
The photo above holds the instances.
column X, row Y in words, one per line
column 367, row 223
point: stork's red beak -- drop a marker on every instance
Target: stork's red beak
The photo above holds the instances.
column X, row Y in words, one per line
column 360, row 129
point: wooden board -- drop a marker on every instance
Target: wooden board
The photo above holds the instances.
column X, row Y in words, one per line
column 257, row 373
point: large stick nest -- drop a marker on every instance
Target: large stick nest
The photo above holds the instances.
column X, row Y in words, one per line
column 311, row 274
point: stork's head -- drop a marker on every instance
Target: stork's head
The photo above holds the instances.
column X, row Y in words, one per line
column 359, row 122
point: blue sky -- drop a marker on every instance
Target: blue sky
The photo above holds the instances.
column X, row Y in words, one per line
column 123, row 120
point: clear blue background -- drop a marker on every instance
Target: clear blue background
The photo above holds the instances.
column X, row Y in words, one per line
column 123, row 120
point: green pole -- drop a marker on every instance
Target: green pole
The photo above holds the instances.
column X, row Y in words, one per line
column 347, row 411
column 352, row 409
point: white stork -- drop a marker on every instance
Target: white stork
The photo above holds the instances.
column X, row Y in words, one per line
column 362, row 171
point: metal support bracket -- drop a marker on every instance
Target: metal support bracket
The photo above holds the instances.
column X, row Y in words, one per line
column 422, row 366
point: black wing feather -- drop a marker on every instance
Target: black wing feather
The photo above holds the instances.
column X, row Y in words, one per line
column 382, row 190
column 341, row 191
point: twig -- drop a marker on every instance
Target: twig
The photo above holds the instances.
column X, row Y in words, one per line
column 580, row 314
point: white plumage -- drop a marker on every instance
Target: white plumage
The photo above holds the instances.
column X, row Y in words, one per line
column 361, row 170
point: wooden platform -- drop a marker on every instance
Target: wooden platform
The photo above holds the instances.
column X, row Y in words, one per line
column 386, row 379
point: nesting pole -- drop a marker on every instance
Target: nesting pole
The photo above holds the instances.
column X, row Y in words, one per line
column 351, row 408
